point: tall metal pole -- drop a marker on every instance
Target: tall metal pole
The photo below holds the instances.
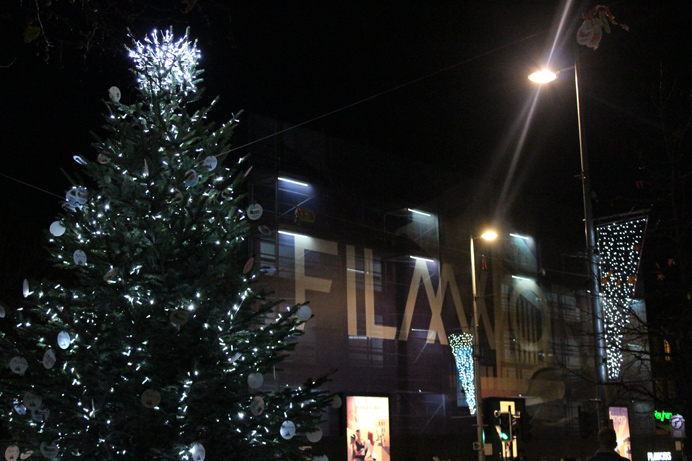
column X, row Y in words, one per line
column 592, row 265
column 476, row 358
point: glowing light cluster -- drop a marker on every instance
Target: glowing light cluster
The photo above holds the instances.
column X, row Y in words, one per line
column 619, row 247
column 462, row 348
column 166, row 65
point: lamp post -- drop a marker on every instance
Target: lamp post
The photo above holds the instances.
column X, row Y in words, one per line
column 489, row 235
column 546, row 76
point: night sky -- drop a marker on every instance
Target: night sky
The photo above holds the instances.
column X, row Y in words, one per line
column 438, row 82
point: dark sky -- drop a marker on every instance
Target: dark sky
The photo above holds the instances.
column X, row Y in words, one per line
column 442, row 82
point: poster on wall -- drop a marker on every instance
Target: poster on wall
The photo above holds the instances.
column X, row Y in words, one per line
column 621, row 424
column 367, row 428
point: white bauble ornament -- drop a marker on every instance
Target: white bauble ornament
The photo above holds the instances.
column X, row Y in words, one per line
column 40, row 415
column 114, row 93
column 20, row 408
column 264, row 230
column 64, row 340
column 211, row 162
column 3, row 312
column 49, row 450
column 111, row 275
column 336, row 402
column 254, row 212
column 102, row 159
column 315, row 435
column 79, row 257
column 18, row 365
column 255, row 380
column 257, row 405
column 248, row 265
column 288, row 430
column 32, row 401
column 76, row 198
column 12, row 453
column 56, row 228
column 80, row 195
column 268, row 271
column 151, row 398
column 179, row 317
column 304, row 313
column 26, row 455
column 198, row 452
column 25, row 288
column 191, row 178
column 49, row 359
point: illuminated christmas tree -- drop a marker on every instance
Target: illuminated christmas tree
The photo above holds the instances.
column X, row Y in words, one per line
column 155, row 344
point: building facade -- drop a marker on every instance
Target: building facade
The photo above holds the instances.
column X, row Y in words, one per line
column 389, row 286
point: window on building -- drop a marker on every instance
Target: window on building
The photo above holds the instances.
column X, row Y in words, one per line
column 667, row 351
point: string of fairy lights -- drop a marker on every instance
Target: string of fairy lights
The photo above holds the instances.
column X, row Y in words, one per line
column 619, row 247
column 462, row 348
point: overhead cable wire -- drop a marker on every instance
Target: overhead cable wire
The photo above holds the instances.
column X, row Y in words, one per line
column 390, row 90
column 348, row 106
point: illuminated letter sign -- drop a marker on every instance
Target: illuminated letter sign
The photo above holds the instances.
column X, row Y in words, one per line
column 659, row 456
column 305, row 282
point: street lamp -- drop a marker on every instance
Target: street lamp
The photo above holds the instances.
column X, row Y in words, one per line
column 489, row 235
column 546, row 76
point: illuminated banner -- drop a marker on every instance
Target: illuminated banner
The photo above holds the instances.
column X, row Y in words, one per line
column 367, row 428
column 621, row 424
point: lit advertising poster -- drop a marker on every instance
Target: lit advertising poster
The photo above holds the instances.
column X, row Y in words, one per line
column 621, row 424
column 367, row 428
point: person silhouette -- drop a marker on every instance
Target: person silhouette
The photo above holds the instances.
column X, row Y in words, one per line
column 607, row 442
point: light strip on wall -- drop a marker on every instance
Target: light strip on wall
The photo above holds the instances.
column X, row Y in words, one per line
column 418, row 212
column 523, row 278
column 293, row 234
column 422, row 259
column 293, row 181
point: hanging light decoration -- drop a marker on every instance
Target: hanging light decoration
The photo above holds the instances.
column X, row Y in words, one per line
column 619, row 247
column 462, row 348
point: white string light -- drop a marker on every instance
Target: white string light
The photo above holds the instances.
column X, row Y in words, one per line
column 462, row 348
column 178, row 57
column 619, row 248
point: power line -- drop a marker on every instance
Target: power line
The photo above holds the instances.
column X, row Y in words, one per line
column 348, row 106
column 30, row 185
column 390, row 90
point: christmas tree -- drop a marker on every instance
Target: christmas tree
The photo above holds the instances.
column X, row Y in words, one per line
column 155, row 343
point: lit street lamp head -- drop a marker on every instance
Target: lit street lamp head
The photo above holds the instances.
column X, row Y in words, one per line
column 489, row 235
column 543, row 76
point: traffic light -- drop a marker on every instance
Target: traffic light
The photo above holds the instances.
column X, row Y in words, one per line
column 505, row 426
